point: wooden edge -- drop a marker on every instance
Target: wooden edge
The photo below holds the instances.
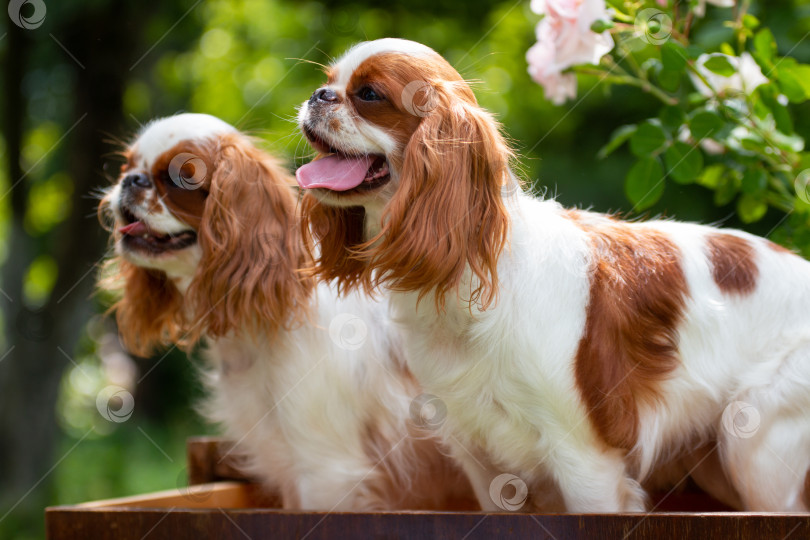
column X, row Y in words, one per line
column 208, row 461
column 211, row 495
column 127, row 523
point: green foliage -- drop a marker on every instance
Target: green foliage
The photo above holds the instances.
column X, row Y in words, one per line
column 729, row 118
column 645, row 183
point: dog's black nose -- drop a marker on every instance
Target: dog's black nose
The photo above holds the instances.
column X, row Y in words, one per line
column 323, row 94
column 137, row 179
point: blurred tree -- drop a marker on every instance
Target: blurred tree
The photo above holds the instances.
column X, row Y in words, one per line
column 41, row 335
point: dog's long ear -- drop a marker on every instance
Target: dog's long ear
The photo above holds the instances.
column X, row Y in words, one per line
column 249, row 276
column 448, row 212
column 149, row 309
column 337, row 233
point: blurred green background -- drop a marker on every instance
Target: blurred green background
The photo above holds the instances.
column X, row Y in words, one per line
column 93, row 71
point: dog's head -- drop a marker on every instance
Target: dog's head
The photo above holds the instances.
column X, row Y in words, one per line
column 407, row 187
column 205, row 234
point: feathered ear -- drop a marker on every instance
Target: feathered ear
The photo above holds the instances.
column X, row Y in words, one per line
column 338, row 233
column 448, row 211
column 149, row 311
column 248, row 278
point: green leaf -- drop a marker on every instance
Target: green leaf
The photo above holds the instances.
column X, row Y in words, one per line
column 794, row 80
column 619, row 136
column 727, row 49
column 789, row 86
column 751, row 209
column 672, row 117
column 684, row 162
column 600, row 26
column 780, row 113
column 694, row 51
column 764, row 49
column 727, row 187
column 705, row 124
column 644, row 184
column 720, row 65
column 754, row 181
column 749, row 21
column 648, row 139
column 673, row 56
column 669, row 80
column 711, row 176
column 804, row 161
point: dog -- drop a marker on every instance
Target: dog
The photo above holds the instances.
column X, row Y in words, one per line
column 311, row 387
column 580, row 357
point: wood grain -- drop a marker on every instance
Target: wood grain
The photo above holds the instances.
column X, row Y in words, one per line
column 228, row 509
column 65, row 523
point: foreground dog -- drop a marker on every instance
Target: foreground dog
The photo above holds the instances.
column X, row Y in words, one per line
column 311, row 387
column 586, row 356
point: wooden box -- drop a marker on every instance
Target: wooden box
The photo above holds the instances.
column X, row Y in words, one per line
column 220, row 504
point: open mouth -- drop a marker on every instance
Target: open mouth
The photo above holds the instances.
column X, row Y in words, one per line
column 136, row 235
column 341, row 171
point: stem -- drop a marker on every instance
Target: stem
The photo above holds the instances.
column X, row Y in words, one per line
column 629, row 80
column 738, row 23
column 688, row 25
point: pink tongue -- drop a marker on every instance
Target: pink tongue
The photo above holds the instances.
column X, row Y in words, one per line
column 338, row 173
column 134, row 229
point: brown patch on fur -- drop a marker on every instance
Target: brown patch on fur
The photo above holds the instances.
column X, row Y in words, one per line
column 447, row 214
column 630, row 343
column 248, row 277
column 415, row 472
column 806, row 493
column 733, row 261
column 185, row 199
column 340, row 233
column 150, row 309
column 702, row 463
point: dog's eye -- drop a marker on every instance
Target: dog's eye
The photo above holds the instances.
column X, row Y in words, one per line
column 367, row 93
column 165, row 179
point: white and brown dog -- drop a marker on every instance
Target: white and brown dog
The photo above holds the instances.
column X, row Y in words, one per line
column 586, row 355
column 310, row 386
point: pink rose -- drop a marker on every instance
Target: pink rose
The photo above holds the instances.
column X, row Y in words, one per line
column 558, row 87
column 565, row 39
